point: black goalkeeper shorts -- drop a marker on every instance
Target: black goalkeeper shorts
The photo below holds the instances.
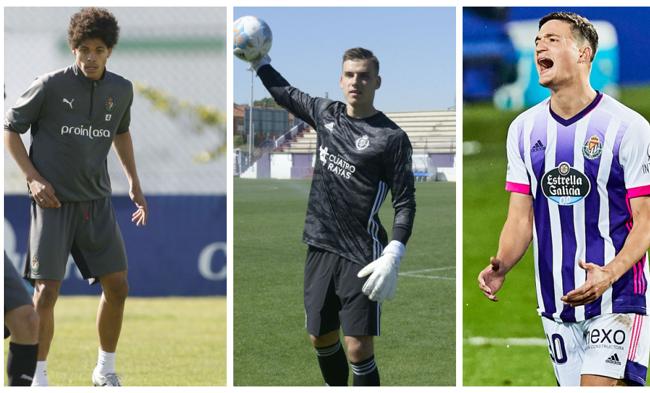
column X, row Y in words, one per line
column 333, row 296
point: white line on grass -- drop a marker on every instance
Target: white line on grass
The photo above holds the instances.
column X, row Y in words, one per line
column 415, row 273
column 429, row 277
column 432, row 269
column 511, row 341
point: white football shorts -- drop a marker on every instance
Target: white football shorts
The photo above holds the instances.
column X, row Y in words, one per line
column 610, row 345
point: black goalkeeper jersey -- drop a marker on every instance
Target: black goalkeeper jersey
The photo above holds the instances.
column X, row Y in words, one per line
column 357, row 162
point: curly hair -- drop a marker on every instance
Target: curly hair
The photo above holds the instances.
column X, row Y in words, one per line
column 93, row 23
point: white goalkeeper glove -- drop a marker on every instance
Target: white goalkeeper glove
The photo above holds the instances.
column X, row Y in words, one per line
column 263, row 60
column 383, row 273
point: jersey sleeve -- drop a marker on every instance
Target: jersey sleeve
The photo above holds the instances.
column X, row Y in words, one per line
column 27, row 109
column 302, row 105
column 399, row 173
column 516, row 177
column 126, row 118
column 634, row 156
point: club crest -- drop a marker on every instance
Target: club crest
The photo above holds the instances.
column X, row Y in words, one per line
column 363, row 142
column 109, row 104
column 593, row 148
column 35, row 264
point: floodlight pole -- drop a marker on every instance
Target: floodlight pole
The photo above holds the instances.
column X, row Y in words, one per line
column 250, row 120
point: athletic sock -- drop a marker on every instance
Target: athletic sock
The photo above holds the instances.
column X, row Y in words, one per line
column 105, row 362
column 365, row 373
column 40, row 375
column 21, row 364
column 333, row 364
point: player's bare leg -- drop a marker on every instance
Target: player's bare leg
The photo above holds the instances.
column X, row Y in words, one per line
column 110, row 313
column 361, row 355
column 46, row 293
column 22, row 322
column 359, row 348
column 325, row 340
column 599, row 380
column 331, row 358
column 23, row 325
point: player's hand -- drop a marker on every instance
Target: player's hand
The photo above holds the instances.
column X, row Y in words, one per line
column 260, row 61
column 43, row 193
column 491, row 279
column 383, row 273
column 598, row 281
column 139, row 217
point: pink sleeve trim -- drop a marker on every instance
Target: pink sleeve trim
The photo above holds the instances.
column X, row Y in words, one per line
column 518, row 187
column 638, row 191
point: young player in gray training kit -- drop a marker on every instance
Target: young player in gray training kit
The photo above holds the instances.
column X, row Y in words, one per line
column 75, row 115
column 361, row 156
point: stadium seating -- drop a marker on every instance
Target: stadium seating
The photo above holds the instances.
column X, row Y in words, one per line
column 429, row 132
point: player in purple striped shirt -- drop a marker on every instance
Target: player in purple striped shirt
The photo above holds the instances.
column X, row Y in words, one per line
column 579, row 177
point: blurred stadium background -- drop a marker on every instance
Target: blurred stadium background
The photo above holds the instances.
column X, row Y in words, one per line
column 504, row 342
column 417, row 346
column 174, row 330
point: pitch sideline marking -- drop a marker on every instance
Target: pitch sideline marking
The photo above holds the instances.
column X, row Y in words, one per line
column 510, row 341
column 414, row 273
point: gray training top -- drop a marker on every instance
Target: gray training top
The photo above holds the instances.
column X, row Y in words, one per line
column 73, row 122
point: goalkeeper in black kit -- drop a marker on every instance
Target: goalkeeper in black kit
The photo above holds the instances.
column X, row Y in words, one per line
column 351, row 266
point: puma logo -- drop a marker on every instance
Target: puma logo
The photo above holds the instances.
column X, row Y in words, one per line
column 65, row 101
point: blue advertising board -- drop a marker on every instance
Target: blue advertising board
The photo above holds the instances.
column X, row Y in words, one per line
column 180, row 252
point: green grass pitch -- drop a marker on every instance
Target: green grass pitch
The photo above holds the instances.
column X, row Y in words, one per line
column 170, row 341
column 485, row 205
column 271, row 346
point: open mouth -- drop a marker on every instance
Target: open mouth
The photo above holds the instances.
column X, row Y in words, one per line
column 544, row 63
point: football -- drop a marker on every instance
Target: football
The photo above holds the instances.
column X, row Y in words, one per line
column 252, row 38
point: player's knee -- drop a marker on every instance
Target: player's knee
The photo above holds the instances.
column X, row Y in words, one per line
column 359, row 348
column 46, row 294
column 326, row 340
column 116, row 290
column 23, row 325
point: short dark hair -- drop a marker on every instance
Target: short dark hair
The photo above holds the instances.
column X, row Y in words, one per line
column 361, row 54
column 581, row 27
column 93, row 23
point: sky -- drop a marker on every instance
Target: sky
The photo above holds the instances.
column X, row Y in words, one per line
column 415, row 48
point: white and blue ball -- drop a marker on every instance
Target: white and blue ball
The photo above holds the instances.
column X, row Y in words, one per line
column 252, row 38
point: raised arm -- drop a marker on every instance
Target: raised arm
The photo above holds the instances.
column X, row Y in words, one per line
column 302, row 105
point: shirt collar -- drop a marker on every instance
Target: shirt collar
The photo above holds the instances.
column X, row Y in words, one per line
column 80, row 75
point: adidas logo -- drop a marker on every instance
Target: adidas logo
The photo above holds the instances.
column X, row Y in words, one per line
column 613, row 360
column 539, row 146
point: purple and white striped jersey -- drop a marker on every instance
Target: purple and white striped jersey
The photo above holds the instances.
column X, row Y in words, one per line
column 581, row 173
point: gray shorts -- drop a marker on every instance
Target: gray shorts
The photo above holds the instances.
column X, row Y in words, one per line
column 87, row 230
column 16, row 294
